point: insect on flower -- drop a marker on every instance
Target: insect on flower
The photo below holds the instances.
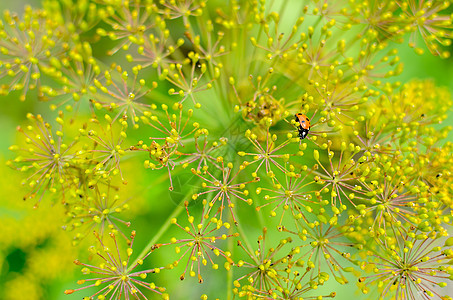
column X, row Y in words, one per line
column 304, row 125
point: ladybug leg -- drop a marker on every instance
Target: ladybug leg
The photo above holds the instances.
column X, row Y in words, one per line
column 302, row 132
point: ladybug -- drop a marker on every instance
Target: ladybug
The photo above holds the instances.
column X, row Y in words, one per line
column 304, row 125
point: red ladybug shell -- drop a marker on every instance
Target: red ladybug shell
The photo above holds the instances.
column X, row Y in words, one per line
column 303, row 121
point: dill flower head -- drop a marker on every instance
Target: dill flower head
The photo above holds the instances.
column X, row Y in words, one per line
column 106, row 137
column 275, row 273
column 127, row 21
column 432, row 23
column 116, row 277
column 96, row 209
column 410, row 264
column 295, row 194
column 325, row 242
column 123, row 96
column 265, row 268
column 224, row 188
column 49, row 161
column 287, row 117
column 28, row 44
column 201, row 238
column 73, row 79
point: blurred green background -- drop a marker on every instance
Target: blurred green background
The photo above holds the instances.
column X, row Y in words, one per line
column 36, row 254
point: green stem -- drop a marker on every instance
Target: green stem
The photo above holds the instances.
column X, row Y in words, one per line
column 157, row 96
column 282, row 10
column 230, row 271
column 317, row 22
column 255, row 49
column 161, row 231
column 261, row 219
column 244, row 238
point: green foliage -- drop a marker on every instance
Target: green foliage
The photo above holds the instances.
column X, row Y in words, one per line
column 244, row 110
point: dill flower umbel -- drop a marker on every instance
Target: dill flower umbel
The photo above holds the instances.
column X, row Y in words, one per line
column 116, row 277
column 51, row 161
column 202, row 237
column 97, row 208
column 410, row 264
column 289, row 117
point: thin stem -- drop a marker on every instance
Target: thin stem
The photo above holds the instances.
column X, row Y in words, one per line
column 161, row 231
column 230, row 271
column 244, row 237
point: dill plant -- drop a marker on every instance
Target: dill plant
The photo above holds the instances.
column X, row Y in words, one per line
column 209, row 89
